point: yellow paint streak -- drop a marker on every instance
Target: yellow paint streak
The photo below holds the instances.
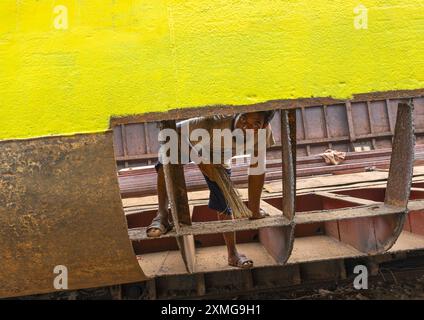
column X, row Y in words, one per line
column 136, row 56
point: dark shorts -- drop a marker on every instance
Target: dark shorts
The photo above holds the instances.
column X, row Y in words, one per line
column 216, row 198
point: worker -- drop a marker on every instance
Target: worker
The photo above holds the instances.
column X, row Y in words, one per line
column 256, row 122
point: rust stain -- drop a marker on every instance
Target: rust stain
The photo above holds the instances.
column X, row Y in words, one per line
column 60, row 205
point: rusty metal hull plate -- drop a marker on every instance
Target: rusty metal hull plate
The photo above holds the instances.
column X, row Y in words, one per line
column 278, row 241
column 387, row 229
column 60, row 205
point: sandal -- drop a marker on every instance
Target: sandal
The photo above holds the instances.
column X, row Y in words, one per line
column 158, row 225
column 262, row 214
column 242, row 262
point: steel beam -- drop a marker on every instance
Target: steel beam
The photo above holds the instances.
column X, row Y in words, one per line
column 177, row 195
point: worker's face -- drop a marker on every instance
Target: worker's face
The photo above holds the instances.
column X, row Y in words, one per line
column 253, row 121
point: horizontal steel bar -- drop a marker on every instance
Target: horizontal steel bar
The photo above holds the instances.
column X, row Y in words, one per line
column 212, row 227
column 344, row 197
column 416, row 205
column 346, row 213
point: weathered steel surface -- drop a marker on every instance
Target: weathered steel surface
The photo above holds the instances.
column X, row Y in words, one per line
column 351, row 225
column 278, row 240
column 344, row 126
column 387, row 229
column 177, row 195
column 60, row 205
column 212, row 227
column 345, row 198
column 364, row 228
column 377, row 233
column 345, row 213
column 176, row 186
column 402, row 160
column 288, row 137
column 142, row 181
column 290, row 277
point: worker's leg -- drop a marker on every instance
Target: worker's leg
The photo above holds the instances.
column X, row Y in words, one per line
column 162, row 195
column 160, row 223
column 234, row 258
column 229, row 237
column 218, row 202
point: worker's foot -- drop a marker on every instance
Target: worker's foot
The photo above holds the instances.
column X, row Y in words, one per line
column 240, row 261
column 262, row 214
column 159, row 226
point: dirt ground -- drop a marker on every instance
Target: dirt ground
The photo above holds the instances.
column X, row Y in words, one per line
column 389, row 289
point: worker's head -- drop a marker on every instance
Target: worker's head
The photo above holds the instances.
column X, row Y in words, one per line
column 253, row 120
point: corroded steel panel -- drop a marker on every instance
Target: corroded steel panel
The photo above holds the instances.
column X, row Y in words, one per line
column 388, row 229
column 278, row 241
column 402, row 160
column 341, row 126
column 60, row 205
